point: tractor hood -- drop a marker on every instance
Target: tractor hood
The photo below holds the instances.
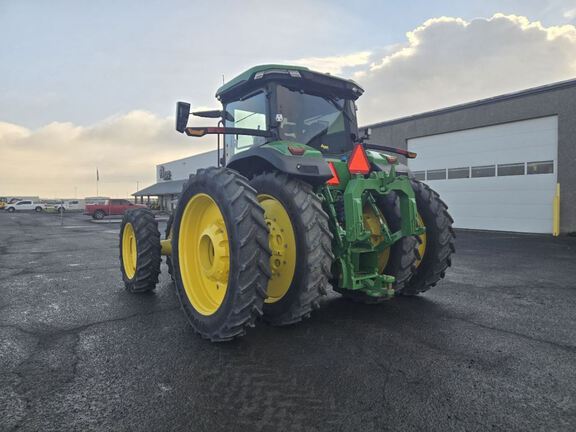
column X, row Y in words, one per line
column 291, row 76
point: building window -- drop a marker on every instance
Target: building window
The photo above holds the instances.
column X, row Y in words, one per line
column 459, row 173
column 419, row 175
column 544, row 167
column 484, row 171
column 437, row 174
column 511, row 169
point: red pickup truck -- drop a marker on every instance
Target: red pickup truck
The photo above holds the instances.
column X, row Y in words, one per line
column 109, row 208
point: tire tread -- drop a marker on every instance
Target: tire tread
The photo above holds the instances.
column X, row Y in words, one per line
column 440, row 241
column 148, row 249
column 249, row 288
column 317, row 250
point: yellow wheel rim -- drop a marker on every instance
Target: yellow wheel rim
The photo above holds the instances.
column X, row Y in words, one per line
column 129, row 251
column 422, row 245
column 203, row 254
column 373, row 222
column 283, row 246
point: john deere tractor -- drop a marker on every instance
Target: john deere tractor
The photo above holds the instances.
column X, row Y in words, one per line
column 298, row 202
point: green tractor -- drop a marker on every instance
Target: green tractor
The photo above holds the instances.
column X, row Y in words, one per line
column 298, row 203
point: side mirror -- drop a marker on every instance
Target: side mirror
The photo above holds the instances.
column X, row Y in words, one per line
column 366, row 136
column 182, row 114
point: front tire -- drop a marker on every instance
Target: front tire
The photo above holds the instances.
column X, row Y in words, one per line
column 11, row 210
column 300, row 240
column 220, row 254
column 436, row 244
column 38, row 209
column 99, row 215
column 139, row 251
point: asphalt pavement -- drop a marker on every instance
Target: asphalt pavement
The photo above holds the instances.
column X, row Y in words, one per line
column 492, row 347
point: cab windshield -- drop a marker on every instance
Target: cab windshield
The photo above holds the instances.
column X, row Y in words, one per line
column 320, row 121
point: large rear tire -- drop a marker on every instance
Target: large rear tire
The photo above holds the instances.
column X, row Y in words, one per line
column 300, row 240
column 220, row 254
column 436, row 245
column 139, row 251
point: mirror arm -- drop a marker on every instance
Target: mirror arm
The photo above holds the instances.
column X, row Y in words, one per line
column 201, row 131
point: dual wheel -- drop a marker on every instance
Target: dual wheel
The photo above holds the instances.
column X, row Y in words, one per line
column 244, row 249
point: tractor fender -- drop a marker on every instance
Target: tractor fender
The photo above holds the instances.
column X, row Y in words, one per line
column 313, row 170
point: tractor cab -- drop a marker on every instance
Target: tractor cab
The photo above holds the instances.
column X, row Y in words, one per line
column 295, row 105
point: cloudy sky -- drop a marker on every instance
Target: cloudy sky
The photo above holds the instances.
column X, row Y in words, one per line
column 86, row 84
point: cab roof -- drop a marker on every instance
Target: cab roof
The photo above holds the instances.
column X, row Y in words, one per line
column 295, row 76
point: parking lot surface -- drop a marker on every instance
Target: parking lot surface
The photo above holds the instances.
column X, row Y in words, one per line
column 493, row 347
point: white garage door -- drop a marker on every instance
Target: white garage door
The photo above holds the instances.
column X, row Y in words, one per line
column 499, row 177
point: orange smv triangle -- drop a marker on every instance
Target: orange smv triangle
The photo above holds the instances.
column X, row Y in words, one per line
column 335, row 180
column 358, row 162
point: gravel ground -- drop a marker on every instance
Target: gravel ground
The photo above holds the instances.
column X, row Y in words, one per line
column 493, row 347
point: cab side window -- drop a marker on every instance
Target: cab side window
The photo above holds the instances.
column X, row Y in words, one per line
column 249, row 113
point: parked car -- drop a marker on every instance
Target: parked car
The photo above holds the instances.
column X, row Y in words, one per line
column 71, row 205
column 110, row 208
column 26, row 205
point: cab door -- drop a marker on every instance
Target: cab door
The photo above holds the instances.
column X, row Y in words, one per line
column 114, row 207
column 24, row 205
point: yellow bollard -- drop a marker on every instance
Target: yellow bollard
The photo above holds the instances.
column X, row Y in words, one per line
column 556, row 212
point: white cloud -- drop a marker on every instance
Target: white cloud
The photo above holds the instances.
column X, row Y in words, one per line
column 55, row 159
column 446, row 61
column 570, row 14
column 335, row 64
column 9, row 132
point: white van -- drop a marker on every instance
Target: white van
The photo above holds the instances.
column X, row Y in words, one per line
column 71, row 205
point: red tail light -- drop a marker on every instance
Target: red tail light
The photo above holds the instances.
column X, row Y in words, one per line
column 335, row 180
column 358, row 162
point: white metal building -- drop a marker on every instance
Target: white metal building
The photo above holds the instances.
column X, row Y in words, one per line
column 171, row 176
